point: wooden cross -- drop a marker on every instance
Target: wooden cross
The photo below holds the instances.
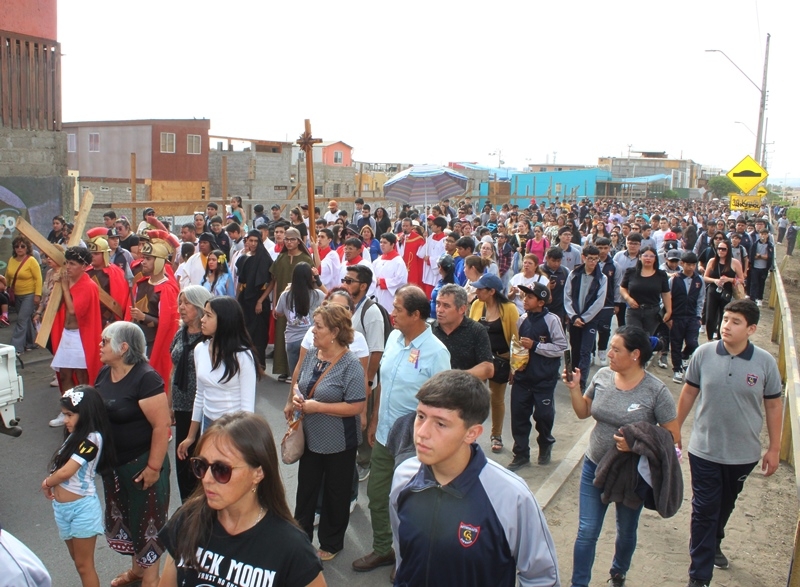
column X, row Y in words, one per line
column 55, row 253
column 307, row 142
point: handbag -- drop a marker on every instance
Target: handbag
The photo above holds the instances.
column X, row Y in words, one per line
column 10, row 290
column 502, row 369
column 293, row 444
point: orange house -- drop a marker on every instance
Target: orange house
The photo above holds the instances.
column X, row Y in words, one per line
column 336, row 153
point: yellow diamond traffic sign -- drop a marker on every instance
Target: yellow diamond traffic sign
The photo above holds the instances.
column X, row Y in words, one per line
column 762, row 191
column 747, row 174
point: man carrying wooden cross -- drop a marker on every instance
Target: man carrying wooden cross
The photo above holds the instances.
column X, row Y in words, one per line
column 108, row 277
column 77, row 326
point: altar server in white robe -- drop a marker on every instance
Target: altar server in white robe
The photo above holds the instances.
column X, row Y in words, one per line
column 390, row 272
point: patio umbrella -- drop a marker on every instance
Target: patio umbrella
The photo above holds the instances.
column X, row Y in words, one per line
column 420, row 183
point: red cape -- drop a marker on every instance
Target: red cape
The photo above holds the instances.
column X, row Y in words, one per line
column 160, row 357
column 86, row 301
column 413, row 263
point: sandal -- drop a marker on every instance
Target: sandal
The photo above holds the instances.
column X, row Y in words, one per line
column 126, row 578
column 324, row 555
column 497, row 444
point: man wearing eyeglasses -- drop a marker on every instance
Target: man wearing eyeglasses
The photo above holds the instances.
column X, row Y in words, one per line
column 368, row 320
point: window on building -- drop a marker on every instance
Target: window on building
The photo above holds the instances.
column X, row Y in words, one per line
column 167, row 142
column 192, row 144
column 365, row 187
column 72, row 143
column 301, row 156
column 94, row 142
column 336, row 190
column 337, row 156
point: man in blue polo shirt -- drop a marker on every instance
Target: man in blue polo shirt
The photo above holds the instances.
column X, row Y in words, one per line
column 412, row 355
column 729, row 379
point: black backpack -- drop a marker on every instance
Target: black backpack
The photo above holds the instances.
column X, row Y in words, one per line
column 387, row 321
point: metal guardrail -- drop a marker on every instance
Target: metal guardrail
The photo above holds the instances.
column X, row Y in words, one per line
column 783, row 335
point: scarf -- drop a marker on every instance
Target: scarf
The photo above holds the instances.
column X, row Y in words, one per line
column 390, row 255
column 181, row 378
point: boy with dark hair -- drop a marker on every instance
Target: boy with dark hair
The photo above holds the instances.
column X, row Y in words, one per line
column 451, row 506
column 729, row 379
column 558, row 279
column 542, row 333
column 688, row 296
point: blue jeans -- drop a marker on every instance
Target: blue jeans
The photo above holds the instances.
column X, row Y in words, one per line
column 590, row 523
column 293, row 354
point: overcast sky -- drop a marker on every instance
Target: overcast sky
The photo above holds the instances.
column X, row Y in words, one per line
column 439, row 81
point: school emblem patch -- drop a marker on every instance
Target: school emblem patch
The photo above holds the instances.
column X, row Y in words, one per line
column 468, row 534
column 752, row 379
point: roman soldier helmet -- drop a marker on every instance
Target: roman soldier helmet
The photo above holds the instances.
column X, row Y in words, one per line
column 159, row 244
column 97, row 242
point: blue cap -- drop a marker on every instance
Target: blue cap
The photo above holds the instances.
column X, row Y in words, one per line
column 489, row 281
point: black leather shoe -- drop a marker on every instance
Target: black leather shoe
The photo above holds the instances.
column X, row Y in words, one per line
column 518, row 462
column 544, row 454
column 373, row 561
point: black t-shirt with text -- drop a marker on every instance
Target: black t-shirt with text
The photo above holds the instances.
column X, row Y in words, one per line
column 273, row 553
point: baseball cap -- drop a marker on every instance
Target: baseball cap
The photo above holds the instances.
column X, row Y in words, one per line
column 673, row 254
column 332, row 203
column 537, row 289
column 489, row 281
column 670, row 236
column 275, row 207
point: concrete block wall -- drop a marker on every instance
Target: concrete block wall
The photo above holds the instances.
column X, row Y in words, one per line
column 114, row 196
column 33, row 177
column 251, row 175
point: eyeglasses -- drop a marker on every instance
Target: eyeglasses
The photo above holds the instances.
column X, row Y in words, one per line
column 349, row 280
column 220, row 471
column 291, row 239
column 21, row 246
column 722, row 248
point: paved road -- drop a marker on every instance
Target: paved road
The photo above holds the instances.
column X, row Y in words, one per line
column 28, row 515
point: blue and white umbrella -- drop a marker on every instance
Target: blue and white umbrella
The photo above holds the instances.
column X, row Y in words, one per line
column 423, row 183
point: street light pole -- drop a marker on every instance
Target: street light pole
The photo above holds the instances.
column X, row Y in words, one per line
column 763, row 90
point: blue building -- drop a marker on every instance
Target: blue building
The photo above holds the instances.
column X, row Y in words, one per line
column 548, row 185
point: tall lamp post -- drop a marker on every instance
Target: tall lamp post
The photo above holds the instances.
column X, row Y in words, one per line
column 762, row 104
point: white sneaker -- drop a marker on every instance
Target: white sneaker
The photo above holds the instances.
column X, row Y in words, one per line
column 685, row 364
column 702, row 329
column 602, row 358
column 759, row 303
column 677, row 376
column 316, row 519
column 594, row 359
column 353, row 505
column 54, row 382
column 662, row 362
column 58, row 421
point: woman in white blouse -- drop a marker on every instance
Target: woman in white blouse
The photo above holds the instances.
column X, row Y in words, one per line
column 225, row 365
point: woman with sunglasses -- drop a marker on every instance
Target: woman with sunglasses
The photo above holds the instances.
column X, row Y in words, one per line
column 24, row 278
column 137, row 489
column 239, row 513
column 721, row 273
column 331, row 395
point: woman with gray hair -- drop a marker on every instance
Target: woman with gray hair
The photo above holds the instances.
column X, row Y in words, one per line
column 191, row 302
column 137, row 488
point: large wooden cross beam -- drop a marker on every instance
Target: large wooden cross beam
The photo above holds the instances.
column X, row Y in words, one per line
column 56, row 254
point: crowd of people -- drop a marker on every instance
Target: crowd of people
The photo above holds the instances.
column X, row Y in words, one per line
column 398, row 335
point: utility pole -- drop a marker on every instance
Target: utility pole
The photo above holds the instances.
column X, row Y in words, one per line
column 762, row 107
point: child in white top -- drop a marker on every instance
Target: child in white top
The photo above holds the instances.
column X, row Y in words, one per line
column 70, row 484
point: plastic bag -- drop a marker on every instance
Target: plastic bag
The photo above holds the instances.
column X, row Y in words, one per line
column 519, row 354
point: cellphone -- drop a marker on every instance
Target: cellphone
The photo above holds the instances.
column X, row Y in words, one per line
column 139, row 484
column 568, row 365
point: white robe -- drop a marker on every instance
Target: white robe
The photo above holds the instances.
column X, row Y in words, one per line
column 195, row 269
column 395, row 274
column 433, row 249
column 330, row 270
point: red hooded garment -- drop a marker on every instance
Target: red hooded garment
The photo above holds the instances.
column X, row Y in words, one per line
column 86, row 301
column 161, row 357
